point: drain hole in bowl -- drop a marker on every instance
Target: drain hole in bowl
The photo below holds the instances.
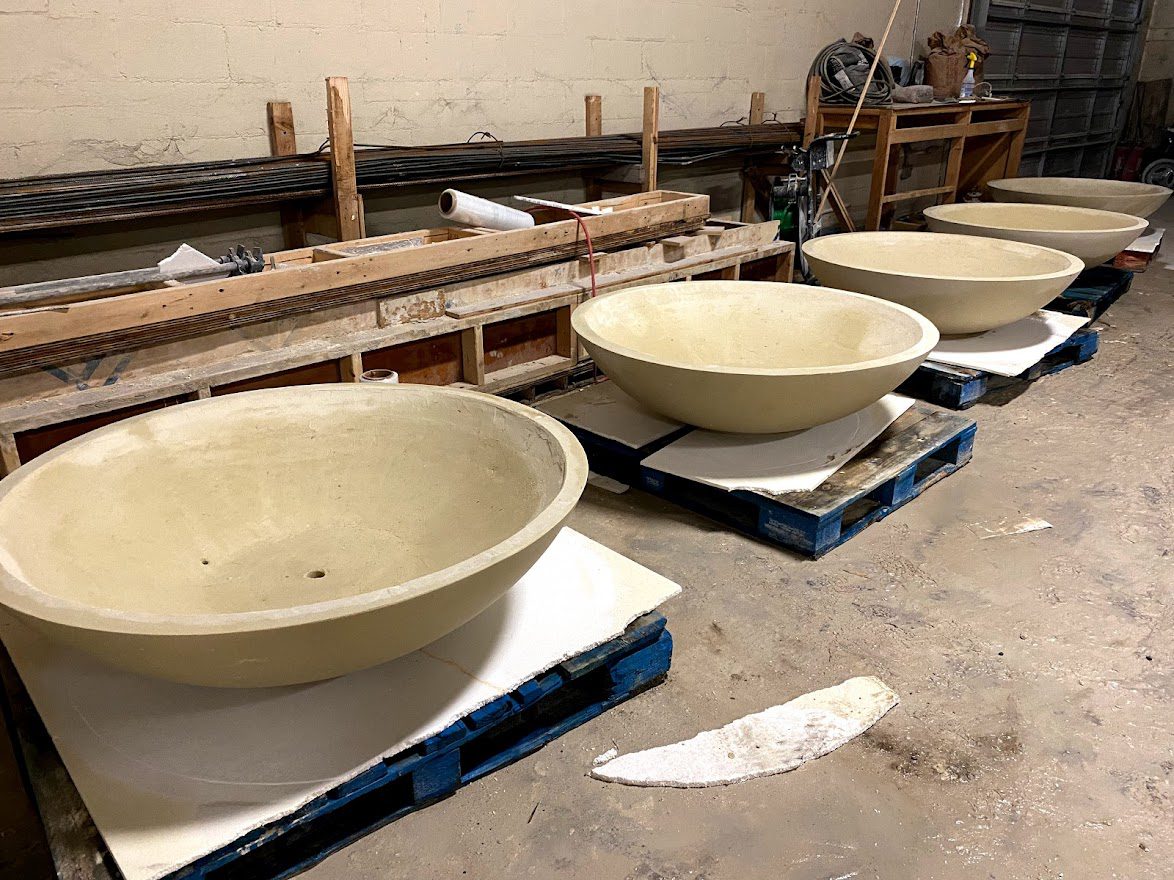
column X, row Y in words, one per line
column 315, row 573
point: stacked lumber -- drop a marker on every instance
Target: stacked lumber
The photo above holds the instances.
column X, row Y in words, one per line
column 314, row 279
column 70, row 200
column 500, row 333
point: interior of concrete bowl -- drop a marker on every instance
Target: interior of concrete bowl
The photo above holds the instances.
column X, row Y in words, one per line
column 276, row 500
column 749, row 327
column 939, row 255
column 1032, row 217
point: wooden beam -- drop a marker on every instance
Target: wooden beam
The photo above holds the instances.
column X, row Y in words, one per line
column 812, row 123
column 342, row 159
column 651, row 138
column 757, row 115
column 9, row 457
column 566, row 343
column 473, row 355
column 594, row 115
column 350, row 368
column 114, row 323
column 593, row 118
column 283, row 141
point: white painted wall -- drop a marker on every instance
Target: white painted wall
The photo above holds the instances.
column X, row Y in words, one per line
column 91, row 84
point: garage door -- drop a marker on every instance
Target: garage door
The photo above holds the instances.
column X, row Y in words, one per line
column 1074, row 60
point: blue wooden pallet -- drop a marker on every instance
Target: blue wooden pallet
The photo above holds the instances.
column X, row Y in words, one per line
column 497, row 734
column 922, row 447
column 961, row 387
column 610, row 458
column 1093, row 291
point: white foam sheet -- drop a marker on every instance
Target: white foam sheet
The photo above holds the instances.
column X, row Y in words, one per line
column 1148, row 242
column 798, row 461
column 172, row 772
column 605, row 410
column 1008, row 351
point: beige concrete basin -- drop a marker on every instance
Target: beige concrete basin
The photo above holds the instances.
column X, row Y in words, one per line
column 1092, row 235
column 287, row 535
column 963, row 283
column 752, row 357
column 1123, row 196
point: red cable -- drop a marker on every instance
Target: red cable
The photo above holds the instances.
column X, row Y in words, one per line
column 590, row 251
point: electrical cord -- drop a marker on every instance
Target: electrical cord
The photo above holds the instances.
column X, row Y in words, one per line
column 842, row 68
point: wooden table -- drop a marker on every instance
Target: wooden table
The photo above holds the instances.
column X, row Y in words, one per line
column 985, row 143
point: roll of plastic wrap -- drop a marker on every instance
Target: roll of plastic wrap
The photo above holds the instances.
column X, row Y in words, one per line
column 473, row 211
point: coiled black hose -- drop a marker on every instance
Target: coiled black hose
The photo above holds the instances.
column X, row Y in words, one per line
column 842, row 69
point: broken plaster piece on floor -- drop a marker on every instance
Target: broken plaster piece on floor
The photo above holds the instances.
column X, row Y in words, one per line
column 774, row 741
column 600, row 760
column 1010, row 527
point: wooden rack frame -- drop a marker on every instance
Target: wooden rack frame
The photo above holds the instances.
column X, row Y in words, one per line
column 496, row 334
column 985, row 143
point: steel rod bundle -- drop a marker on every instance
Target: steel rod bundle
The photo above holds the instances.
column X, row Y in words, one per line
column 126, row 194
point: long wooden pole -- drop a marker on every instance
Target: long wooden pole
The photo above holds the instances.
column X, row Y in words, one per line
column 880, row 48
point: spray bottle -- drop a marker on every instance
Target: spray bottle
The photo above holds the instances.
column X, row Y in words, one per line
column 968, row 80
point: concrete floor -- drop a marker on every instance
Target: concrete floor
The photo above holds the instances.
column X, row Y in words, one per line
column 1036, row 734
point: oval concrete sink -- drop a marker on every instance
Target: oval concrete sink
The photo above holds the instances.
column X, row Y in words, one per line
column 752, row 357
column 963, row 283
column 1092, row 235
column 287, row 535
column 1123, row 196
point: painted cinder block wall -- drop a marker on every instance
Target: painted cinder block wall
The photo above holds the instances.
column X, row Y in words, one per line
column 92, row 84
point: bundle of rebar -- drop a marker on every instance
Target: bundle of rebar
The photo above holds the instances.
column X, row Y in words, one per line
column 67, row 200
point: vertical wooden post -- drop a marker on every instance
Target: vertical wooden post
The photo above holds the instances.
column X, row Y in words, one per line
column 473, row 355
column 9, row 456
column 651, row 139
column 882, row 185
column 1015, row 148
column 347, row 207
column 594, row 115
column 757, row 115
column 593, row 106
column 283, row 141
column 812, row 123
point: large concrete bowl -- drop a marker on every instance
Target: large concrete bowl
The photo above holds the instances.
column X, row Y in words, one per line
column 1123, row 196
column 1092, row 235
column 752, row 357
column 284, row 536
column 963, row 283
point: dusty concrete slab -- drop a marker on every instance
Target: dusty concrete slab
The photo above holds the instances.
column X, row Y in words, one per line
column 1035, row 672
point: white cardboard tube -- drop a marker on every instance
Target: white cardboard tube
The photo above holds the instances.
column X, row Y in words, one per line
column 474, row 211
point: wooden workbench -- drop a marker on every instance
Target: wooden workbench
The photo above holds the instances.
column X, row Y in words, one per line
column 985, row 143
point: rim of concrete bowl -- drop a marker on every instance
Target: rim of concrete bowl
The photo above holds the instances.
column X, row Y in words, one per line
column 815, row 245
column 27, row 599
column 1050, row 190
column 959, row 211
column 582, row 314
column 1110, row 187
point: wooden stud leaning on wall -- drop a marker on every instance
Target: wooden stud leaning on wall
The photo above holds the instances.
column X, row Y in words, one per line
column 283, row 141
column 757, row 115
column 348, row 206
column 651, row 138
column 593, row 106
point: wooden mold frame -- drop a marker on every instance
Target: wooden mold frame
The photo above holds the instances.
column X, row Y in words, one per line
column 63, row 333
column 496, row 334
